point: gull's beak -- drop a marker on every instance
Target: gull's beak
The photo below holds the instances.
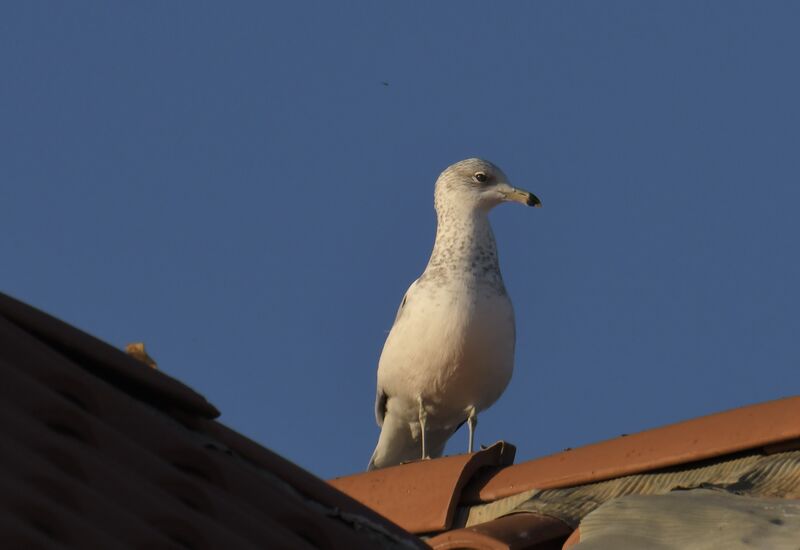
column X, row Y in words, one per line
column 519, row 195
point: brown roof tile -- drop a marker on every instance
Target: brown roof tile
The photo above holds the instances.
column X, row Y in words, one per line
column 515, row 532
column 572, row 540
column 421, row 496
column 100, row 451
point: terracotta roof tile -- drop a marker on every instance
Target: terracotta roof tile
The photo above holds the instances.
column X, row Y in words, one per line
column 755, row 426
column 515, row 532
column 421, row 496
column 572, row 540
column 100, row 451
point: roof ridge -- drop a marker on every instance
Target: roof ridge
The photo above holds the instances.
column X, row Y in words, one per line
column 105, row 361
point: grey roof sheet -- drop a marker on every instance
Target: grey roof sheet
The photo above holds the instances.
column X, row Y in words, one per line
column 699, row 519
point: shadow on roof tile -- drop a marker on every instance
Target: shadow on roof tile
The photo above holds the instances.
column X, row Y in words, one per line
column 101, row 451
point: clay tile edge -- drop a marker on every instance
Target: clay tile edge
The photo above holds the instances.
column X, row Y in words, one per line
column 745, row 428
column 421, row 497
column 524, row 530
column 573, row 539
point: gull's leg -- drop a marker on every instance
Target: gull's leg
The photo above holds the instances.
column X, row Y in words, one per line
column 472, row 421
column 423, row 417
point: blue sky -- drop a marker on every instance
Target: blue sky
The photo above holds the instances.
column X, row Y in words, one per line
column 233, row 184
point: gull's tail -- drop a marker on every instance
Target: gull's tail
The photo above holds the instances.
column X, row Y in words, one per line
column 398, row 443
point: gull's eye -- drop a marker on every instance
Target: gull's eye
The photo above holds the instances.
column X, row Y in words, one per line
column 480, row 177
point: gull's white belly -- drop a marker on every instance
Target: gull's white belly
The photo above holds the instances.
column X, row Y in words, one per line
column 452, row 347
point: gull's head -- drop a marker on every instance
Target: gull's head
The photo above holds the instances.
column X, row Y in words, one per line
column 479, row 185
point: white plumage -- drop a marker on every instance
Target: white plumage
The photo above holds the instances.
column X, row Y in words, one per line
column 450, row 353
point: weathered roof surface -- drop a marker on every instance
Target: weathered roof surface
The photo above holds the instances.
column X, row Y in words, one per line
column 698, row 519
column 756, row 426
column 755, row 474
column 752, row 449
column 100, row 451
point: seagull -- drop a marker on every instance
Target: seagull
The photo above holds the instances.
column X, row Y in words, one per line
column 450, row 352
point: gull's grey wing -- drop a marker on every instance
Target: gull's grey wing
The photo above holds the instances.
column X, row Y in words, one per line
column 381, row 397
column 404, row 301
column 380, row 406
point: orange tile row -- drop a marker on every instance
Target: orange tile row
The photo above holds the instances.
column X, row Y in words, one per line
column 422, row 496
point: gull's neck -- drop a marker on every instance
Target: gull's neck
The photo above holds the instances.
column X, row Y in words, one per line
column 465, row 247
